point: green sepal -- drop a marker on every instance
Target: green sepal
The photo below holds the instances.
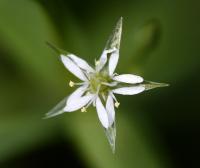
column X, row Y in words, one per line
column 58, row 109
column 115, row 37
column 151, row 85
column 111, row 135
column 57, row 50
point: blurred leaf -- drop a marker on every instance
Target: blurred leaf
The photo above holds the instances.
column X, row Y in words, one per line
column 21, row 133
column 145, row 39
column 131, row 148
column 24, row 29
column 141, row 43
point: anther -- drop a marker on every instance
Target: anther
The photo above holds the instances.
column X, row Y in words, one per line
column 71, row 83
column 117, row 104
column 83, row 110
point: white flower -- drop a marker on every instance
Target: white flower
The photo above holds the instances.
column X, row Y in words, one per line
column 99, row 84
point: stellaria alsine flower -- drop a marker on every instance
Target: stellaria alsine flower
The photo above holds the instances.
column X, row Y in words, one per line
column 99, row 84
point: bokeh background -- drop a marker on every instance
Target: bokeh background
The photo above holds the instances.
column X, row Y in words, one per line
column 156, row 129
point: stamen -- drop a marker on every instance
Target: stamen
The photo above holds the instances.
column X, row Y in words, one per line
column 97, row 62
column 104, row 97
column 83, row 110
column 113, row 96
column 117, row 104
column 71, row 83
column 98, row 89
column 109, row 84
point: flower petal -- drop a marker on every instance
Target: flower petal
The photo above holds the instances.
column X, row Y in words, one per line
column 129, row 90
column 73, row 68
column 128, row 78
column 110, row 109
column 102, row 113
column 78, row 103
column 81, row 63
column 112, row 44
column 77, row 94
column 103, row 59
column 113, row 62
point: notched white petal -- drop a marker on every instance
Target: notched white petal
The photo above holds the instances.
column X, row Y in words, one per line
column 104, row 57
column 113, row 62
column 113, row 43
column 110, row 109
column 128, row 78
column 102, row 61
column 77, row 94
column 81, row 63
column 102, row 113
column 73, row 68
column 129, row 90
column 78, row 103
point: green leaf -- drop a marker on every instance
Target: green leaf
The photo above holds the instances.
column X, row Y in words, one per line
column 145, row 40
column 24, row 28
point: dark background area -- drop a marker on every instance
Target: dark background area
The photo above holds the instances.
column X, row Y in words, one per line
column 158, row 128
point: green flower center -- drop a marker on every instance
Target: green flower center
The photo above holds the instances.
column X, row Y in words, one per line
column 96, row 82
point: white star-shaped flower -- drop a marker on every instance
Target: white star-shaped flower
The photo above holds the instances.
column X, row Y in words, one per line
column 99, row 84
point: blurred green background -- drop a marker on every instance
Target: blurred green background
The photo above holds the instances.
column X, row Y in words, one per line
column 155, row 129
